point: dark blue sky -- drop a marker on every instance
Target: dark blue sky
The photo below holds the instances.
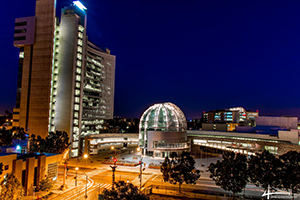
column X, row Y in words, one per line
column 199, row 55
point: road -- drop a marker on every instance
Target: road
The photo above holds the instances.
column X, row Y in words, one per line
column 101, row 178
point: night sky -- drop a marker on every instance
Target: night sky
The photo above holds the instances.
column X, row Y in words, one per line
column 200, row 55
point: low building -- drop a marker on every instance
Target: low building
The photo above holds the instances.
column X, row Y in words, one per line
column 96, row 143
column 30, row 169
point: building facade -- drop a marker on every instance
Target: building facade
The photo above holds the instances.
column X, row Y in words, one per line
column 162, row 130
column 65, row 82
column 230, row 115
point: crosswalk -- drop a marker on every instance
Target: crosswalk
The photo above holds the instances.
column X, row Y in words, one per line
column 102, row 186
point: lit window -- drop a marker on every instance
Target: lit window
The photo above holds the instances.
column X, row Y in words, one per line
column 78, row 78
column 80, row 42
column 80, row 28
column 77, row 84
column 76, row 114
column 79, row 56
column 78, row 70
column 77, row 99
column 80, row 35
column 79, row 63
column 76, row 107
column 79, row 49
column 76, row 121
column 77, row 92
column 21, row 55
column 76, row 129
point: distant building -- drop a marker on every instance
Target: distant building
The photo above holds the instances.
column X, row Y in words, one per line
column 65, row 82
column 230, row 116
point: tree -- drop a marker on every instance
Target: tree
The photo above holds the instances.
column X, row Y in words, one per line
column 289, row 174
column 124, row 191
column 180, row 169
column 5, row 137
column 230, row 173
column 11, row 188
column 45, row 184
column 56, row 142
column 264, row 170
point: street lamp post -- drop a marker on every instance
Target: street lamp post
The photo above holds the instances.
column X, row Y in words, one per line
column 113, row 169
column 86, row 179
column 76, row 176
column 65, row 173
column 141, row 167
column 34, row 192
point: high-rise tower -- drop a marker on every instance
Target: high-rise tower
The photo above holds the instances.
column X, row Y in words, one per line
column 75, row 87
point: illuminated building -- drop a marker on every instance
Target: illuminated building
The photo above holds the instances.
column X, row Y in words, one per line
column 65, row 82
column 231, row 115
column 162, row 130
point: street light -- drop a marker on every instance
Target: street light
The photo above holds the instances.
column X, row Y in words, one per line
column 141, row 167
column 85, row 156
column 76, row 176
column 34, row 192
column 113, row 148
column 86, row 178
column 113, row 169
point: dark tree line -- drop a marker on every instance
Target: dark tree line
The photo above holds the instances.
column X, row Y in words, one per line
column 264, row 169
column 6, row 136
column 53, row 143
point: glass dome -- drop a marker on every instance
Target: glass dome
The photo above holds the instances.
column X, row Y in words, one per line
column 161, row 117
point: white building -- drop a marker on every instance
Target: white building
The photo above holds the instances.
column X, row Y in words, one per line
column 162, row 130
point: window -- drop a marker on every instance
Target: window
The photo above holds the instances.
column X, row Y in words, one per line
column 77, row 99
column 79, row 49
column 80, row 35
column 77, row 92
column 20, row 23
column 77, row 85
column 21, row 55
column 79, row 56
column 20, row 38
column 78, row 63
column 76, row 107
column 78, row 77
column 80, row 28
column 76, row 114
column 20, row 31
column 78, row 70
column 80, row 42
column 76, row 121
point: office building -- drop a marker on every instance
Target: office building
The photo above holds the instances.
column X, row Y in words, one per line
column 65, row 82
column 231, row 115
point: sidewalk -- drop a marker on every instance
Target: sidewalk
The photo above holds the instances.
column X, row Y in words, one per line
column 70, row 182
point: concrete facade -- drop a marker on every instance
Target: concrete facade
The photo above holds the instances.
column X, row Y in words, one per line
column 36, row 71
column 284, row 122
column 30, row 169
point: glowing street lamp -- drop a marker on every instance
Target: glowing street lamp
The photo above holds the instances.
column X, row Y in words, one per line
column 85, row 156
